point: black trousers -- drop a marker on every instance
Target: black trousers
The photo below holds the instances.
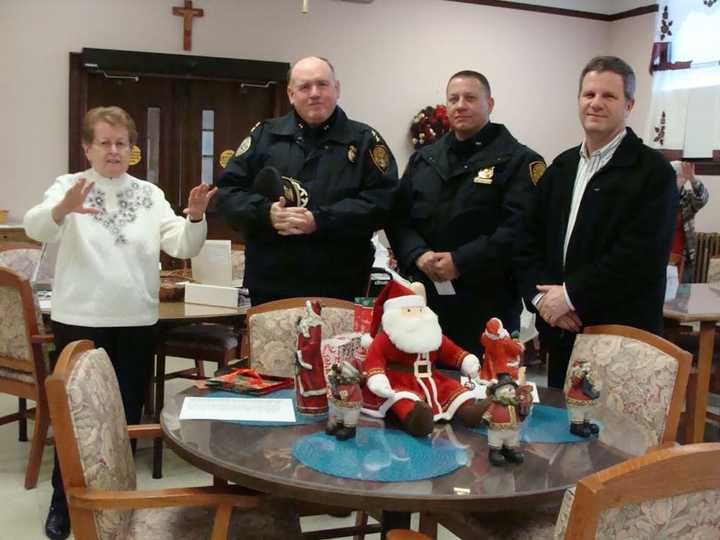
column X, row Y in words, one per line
column 559, row 346
column 131, row 349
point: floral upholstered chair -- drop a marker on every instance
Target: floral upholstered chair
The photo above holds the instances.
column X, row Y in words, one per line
column 23, row 257
column 98, row 469
column 273, row 337
column 634, row 499
column 24, row 362
column 642, row 380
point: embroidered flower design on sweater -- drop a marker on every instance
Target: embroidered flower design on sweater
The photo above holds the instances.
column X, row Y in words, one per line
column 130, row 201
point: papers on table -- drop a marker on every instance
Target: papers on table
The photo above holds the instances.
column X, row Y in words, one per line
column 213, row 265
column 239, row 409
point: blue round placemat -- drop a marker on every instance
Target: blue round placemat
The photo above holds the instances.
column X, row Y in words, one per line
column 379, row 455
column 545, row 424
column 285, row 393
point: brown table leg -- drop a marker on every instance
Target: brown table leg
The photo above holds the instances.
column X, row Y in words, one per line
column 159, row 402
column 699, row 385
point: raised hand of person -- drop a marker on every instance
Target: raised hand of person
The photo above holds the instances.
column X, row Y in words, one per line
column 198, row 201
column 74, row 201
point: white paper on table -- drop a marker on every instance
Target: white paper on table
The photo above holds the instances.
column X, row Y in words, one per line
column 480, row 390
column 247, row 409
column 444, row 288
column 213, row 265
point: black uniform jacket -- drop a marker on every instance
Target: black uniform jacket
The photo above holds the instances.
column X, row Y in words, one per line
column 469, row 203
column 351, row 180
column 614, row 270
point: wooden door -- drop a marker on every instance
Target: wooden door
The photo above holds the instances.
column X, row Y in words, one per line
column 178, row 102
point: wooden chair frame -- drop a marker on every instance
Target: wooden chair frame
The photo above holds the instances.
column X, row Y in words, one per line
column 692, row 468
column 684, row 360
column 83, row 501
column 23, row 390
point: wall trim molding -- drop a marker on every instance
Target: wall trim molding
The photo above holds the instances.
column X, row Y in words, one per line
column 652, row 8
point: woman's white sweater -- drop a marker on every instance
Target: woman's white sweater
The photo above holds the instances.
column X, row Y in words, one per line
column 107, row 265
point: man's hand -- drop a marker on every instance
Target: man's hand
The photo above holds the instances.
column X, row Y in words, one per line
column 570, row 322
column 553, row 304
column 198, row 201
column 445, row 266
column 437, row 266
column 291, row 221
column 74, row 201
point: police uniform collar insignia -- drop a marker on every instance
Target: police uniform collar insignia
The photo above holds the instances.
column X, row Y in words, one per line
column 484, row 176
column 352, row 153
column 244, row 146
column 537, row 169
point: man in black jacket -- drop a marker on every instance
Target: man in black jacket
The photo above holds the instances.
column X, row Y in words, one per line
column 345, row 178
column 459, row 209
column 599, row 228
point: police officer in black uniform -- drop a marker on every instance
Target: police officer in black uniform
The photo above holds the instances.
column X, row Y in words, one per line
column 460, row 205
column 344, row 179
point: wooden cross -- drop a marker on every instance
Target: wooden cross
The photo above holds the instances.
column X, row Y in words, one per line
column 187, row 13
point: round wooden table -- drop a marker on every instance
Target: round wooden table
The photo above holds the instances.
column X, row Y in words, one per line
column 261, row 458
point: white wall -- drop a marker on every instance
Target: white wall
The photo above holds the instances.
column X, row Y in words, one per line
column 392, row 57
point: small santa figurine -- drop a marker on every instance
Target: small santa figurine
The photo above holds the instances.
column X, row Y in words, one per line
column 401, row 363
column 345, row 379
column 509, row 404
column 310, row 386
column 581, row 397
column 502, row 352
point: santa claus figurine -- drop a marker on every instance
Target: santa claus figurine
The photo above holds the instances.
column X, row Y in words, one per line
column 344, row 379
column 581, row 398
column 402, row 361
column 502, row 352
column 509, row 404
column 310, row 386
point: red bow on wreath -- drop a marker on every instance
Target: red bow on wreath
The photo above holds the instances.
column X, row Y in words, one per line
column 428, row 125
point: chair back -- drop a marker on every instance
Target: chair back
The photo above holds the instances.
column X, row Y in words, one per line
column 273, row 336
column 713, row 275
column 22, row 362
column 91, row 432
column 23, row 257
column 643, row 379
column 237, row 256
column 668, row 493
column 707, row 247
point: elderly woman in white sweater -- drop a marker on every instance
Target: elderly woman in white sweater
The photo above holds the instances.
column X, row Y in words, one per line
column 111, row 228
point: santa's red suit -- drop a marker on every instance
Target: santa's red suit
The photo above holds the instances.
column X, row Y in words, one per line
column 310, row 384
column 413, row 378
column 501, row 352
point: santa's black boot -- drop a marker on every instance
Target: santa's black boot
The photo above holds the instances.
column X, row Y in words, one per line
column 580, row 430
column 333, row 427
column 594, row 428
column 512, row 455
column 345, row 433
column 419, row 422
column 496, row 457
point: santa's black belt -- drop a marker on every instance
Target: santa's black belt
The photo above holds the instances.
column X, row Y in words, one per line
column 422, row 370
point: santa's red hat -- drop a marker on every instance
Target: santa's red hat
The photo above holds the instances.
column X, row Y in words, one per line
column 493, row 326
column 394, row 295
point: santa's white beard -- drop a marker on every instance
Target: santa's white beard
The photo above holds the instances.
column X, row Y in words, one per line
column 413, row 334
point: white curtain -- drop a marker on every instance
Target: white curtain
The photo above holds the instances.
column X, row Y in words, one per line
column 692, row 28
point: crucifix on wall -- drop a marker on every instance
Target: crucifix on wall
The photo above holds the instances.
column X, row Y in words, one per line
column 187, row 13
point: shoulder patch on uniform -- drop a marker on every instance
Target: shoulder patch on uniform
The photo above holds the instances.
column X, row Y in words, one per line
column 244, row 146
column 537, row 169
column 381, row 157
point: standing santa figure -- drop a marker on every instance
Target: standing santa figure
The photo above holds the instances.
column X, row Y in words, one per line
column 581, row 397
column 401, row 363
column 310, row 386
column 502, row 352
